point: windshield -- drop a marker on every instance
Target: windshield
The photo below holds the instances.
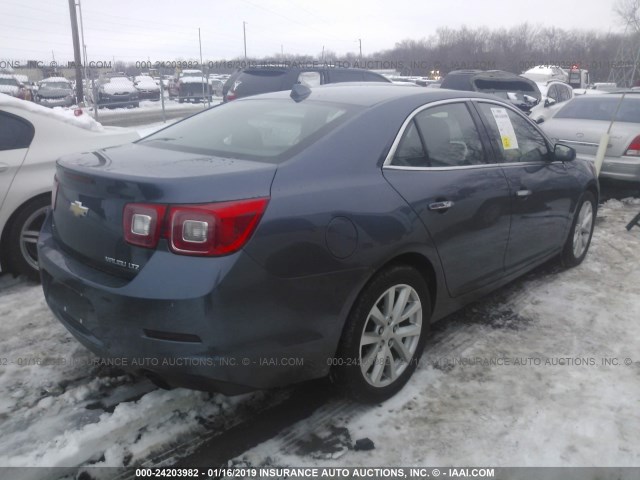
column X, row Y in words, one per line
column 268, row 130
column 8, row 81
column 602, row 107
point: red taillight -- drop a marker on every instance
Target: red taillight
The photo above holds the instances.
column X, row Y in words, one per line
column 211, row 229
column 54, row 192
column 142, row 223
column 634, row 148
column 231, row 95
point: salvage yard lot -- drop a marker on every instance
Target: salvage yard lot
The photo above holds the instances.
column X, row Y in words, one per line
column 545, row 372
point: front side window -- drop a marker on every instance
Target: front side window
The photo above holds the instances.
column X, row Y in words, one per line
column 553, row 93
column 513, row 137
column 564, row 93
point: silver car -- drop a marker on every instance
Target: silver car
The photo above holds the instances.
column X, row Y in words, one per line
column 55, row 92
column 582, row 122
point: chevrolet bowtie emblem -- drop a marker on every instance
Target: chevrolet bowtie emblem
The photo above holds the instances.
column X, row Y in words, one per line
column 78, row 209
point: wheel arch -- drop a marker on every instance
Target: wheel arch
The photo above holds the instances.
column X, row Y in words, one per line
column 4, row 238
column 413, row 259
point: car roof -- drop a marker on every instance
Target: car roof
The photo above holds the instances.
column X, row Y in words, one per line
column 294, row 67
column 367, row 94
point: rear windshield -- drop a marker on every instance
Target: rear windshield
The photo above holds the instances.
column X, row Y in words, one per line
column 602, row 107
column 265, row 130
column 252, row 82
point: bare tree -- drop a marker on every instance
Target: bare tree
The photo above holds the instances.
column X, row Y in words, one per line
column 629, row 12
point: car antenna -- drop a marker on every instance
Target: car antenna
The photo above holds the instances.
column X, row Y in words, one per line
column 299, row 92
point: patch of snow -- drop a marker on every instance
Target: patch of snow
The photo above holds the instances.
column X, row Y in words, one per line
column 54, row 79
column 59, row 113
column 573, row 408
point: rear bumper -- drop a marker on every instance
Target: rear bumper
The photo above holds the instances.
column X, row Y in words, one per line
column 618, row 168
column 118, row 100
column 621, row 168
column 149, row 95
column 56, row 102
column 220, row 324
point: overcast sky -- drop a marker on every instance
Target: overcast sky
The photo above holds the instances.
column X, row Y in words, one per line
column 157, row 30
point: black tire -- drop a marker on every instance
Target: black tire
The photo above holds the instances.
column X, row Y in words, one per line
column 572, row 255
column 22, row 254
column 347, row 373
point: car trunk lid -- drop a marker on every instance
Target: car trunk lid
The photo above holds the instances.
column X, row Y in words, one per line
column 93, row 189
column 584, row 135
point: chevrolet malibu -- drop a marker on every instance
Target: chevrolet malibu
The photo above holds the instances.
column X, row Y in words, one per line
column 290, row 236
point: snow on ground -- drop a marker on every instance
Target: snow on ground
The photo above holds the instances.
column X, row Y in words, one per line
column 60, row 407
column 553, row 404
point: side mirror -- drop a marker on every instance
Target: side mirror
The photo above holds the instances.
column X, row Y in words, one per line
column 539, row 120
column 564, row 153
column 548, row 102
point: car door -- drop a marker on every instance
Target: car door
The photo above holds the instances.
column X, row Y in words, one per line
column 541, row 188
column 15, row 137
column 439, row 165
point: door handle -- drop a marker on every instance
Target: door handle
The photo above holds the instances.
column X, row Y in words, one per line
column 440, row 206
column 523, row 193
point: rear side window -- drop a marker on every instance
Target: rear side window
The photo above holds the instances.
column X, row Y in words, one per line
column 450, row 136
column 513, row 137
column 14, row 132
column 443, row 136
column 263, row 130
column 457, row 82
column 253, row 82
column 410, row 151
column 373, row 77
column 602, row 108
column 339, row 76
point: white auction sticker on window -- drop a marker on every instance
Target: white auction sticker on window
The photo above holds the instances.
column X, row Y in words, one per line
column 505, row 127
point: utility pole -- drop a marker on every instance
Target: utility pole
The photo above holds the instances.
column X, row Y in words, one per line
column 202, row 67
column 84, row 46
column 360, row 41
column 244, row 33
column 76, row 51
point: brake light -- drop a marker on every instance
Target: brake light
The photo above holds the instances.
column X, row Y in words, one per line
column 634, row 148
column 142, row 223
column 54, row 192
column 212, row 229
column 231, row 95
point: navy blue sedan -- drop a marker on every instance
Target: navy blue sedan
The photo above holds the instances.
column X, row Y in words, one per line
column 294, row 235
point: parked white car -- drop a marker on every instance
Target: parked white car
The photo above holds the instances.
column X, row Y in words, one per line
column 544, row 73
column 32, row 137
column 554, row 96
